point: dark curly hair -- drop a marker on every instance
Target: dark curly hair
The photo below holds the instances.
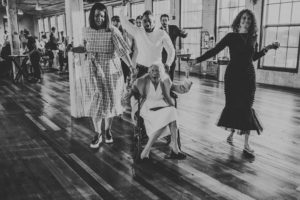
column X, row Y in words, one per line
column 101, row 7
column 236, row 22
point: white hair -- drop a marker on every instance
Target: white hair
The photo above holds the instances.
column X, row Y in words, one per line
column 161, row 67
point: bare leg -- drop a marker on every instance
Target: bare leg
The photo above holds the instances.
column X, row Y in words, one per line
column 107, row 128
column 152, row 139
column 97, row 125
column 246, row 144
column 97, row 138
column 174, row 137
column 230, row 137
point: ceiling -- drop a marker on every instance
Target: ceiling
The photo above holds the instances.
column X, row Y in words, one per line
column 51, row 6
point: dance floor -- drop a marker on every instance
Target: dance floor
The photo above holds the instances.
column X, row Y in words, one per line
column 45, row 154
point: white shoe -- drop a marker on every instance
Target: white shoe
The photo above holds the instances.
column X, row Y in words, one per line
column 96, row 142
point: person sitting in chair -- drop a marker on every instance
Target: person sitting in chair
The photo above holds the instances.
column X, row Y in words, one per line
column 157, row 109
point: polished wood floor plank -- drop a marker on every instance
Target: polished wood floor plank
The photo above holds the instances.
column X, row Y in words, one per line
column 45, row 154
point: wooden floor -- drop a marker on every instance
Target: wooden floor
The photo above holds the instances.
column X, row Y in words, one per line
column 44, row 153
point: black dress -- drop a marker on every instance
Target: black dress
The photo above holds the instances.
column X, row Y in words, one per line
column 239, row 81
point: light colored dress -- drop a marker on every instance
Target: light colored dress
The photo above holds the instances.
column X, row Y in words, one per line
column 155, row 120
column 104, row 76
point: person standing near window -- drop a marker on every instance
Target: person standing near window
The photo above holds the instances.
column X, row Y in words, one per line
column 105, row 46
column 240, row 85
column 174, row 32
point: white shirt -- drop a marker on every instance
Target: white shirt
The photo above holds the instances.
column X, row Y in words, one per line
column 149, row 45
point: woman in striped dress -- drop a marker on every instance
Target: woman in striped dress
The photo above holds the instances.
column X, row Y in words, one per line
column 105, row 46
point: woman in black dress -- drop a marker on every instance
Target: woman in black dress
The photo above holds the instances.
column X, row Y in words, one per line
column 240, row 85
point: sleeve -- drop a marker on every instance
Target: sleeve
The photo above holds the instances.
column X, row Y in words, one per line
column 120, row 46
column 258, row 54
column 129, row 27
column 214, row 51
column 181, row 33
column 168, row 45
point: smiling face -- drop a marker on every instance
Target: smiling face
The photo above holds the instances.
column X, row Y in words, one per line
column 99, row 18
column 154, row 73
column 148, row 22
column 245, row 21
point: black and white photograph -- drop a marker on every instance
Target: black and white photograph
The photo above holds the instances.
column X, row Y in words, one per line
column 149, row 99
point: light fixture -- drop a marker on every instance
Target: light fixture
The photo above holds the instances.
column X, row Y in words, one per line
column 38, row 6
column 20, row 12
column 4, row 3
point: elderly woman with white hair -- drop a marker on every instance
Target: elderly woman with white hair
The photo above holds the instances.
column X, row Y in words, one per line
column 157, row 109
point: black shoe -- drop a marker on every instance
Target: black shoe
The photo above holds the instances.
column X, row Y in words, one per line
column 96, row 142
column 178, row 156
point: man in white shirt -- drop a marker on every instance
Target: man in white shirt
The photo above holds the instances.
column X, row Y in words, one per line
column 150, row 42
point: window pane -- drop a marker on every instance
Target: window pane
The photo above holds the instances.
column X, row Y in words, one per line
column 296, row 13
column 283, row 1
column 282, row 35
column 291, row 60
column 233, row 13
column 46, row 24
column 137, row 9
column 87, row 14
column 224, row 3
column 60, row 23
column 192, row 42
column 273, row 12
column 41, row 25
column 269, row 59
column 285, row 13
column 280, row 57
column 224, row 17
column 294, row 36
column 234, row 3
column 191, row 13
column 116, row 10
column 242, row 3
column 274, row 1
column 270, row 35
column 159, row 8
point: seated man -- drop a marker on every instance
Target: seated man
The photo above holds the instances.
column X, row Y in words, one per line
column 157, row 109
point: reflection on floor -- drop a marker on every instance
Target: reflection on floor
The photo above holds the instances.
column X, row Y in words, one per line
column 44, row 154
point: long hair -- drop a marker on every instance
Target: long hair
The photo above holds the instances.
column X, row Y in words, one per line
column 101, row 7
column 236, row 22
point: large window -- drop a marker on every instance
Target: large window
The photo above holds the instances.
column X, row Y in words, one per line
column 41, row 25
column 227, row 11
column 282, row 23
column 61, row 26
column 191, row 21
column 160, row 7
column 137, row 9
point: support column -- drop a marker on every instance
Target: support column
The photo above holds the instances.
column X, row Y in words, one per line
column 11, row 11
column 75, row 23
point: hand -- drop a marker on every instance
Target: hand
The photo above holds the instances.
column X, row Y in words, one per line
column 274, row 45
column 167, row 68
column 192, row 62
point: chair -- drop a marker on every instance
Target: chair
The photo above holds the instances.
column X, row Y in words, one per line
column 140, row 137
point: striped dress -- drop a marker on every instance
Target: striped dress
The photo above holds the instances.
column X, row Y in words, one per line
column 104, row 77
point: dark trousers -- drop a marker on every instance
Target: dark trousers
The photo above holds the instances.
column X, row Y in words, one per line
column 61, row 60
column 35, row 62
column 142, row 70
column 125, row 70
column 172, row 69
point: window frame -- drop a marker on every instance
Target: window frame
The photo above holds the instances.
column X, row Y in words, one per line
column 263, row 31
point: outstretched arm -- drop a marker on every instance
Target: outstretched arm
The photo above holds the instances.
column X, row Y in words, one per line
column 214, row 51
column 259, row 54
column 124, row 19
